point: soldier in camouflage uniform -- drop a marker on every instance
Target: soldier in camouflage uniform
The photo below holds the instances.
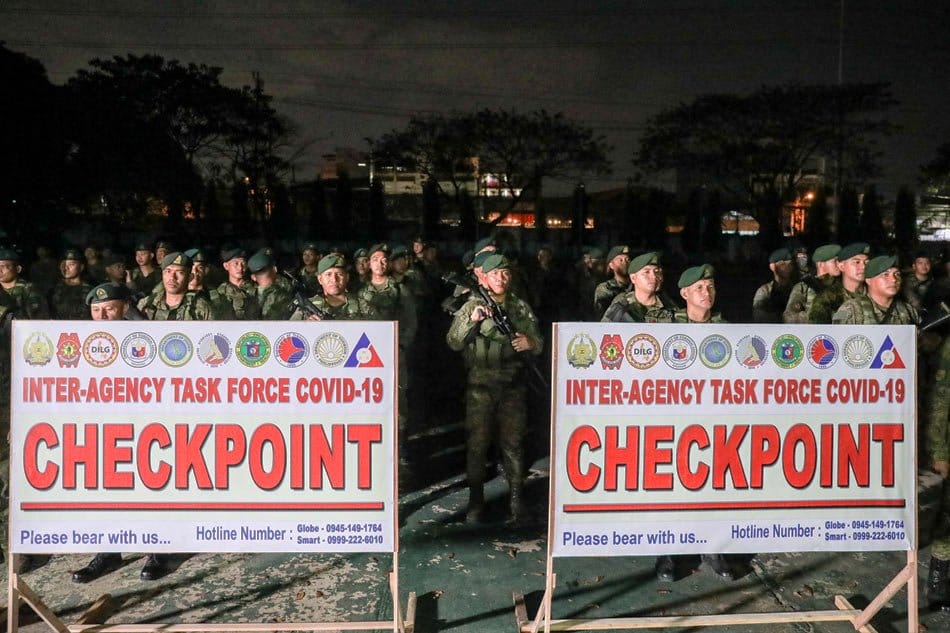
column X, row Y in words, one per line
column 333, row 300
column 274, row 299
column 851, row 262
column 146, row 275
column 409, row 278
column 174, row 302
column 67, row 299
column 27, row 302
column 361, row 272
column 770, row 299
column 618, row 259
column 115, row 269
column 646, row 302
column 496, row 394
column 881, row 305
column 804, row 292
column 918, row 283
column 589, row 274
column 237, row 292
column 936, row 420
column 199, row 284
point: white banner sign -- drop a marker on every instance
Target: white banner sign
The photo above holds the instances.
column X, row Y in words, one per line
column 733, row 438
column 202, row 436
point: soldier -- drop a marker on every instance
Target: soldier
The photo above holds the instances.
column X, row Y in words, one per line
column 27, row 302
column 917, row 284
column 646, row 303
column 67, row 299
column 307, row 274
column 237, row 295
column 851, row 262
column 199, row 284
column 361, row 272
column 496, row 394
column 173, row 302
column 802, row 265
column 881, row 303
column 770, row 299
column 334, row 301
column 163, row 248
column 936, row 419
column 115, row 269
column 804, row 292
column 94, row 267
column 590, row 273
column 274, row 300
column 618, row 259
column 146, row 275
column 403, row 274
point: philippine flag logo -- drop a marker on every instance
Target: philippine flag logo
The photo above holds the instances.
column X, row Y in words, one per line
column 887, row 357
column 364, row 354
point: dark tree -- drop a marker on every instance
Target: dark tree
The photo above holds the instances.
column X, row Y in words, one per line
column 849, row 222
column 282, row 222
column 693, row 222
column 467, row 220
column 872, row 224
column 712, row 222
column 905, row 221
column 318, row 223
column 431, row 209
column 342, row 206
column 378, row 225
column 817, row 224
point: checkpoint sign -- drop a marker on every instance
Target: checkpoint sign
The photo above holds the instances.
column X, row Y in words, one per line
column 733, row 438
column 202, row 436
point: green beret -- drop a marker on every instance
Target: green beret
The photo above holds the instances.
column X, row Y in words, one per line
column 107, row 292
column 176, row 259
column 853, row 249
column 595, row 253
column 72, row 254
column 259, row 261
column 780, row 255
column 328, row 262
column 399, row 251
column 878, row 265
column 483, row 243
column 143, row 246
column 8, row 254
column 825, row 252
column 310, row 246
column 166, row 244
column 232, row 253
column 479, row 259
column 360, row 252
column 494, row 261
column 618, row 250
column 198, row 255
column 113, row 258
column 694, row 274
column 638, row 262
column 382, row 248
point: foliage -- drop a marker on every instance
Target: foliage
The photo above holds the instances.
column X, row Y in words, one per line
column 936, row 173
column 872, row 224
column 849, row 222
column 905, row 221
column 817, row 226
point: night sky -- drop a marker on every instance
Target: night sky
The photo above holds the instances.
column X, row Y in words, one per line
column 344, row 71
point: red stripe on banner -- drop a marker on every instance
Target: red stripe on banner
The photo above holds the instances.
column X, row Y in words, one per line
column 732, row 505
column 201, row 506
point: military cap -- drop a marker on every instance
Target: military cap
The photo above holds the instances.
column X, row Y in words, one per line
column 399, row 251
column 922, row 254
column 494, row 262
column 694, row 274
column 878, row 265
column 330, row 261
column 853, row 249
column 8, row 254
column 595, row 253
column 360, row 252
column 647, row 259
column 166, row 244
column 107, row 292
column 143, row 246
column 259, row 261
column 232, row 253
column 198, row 255
column 310, row 246
column 72, row 254
column 825, row 252
column 479, row 260
column 780, row 255
column 381, row 247
column 483, row 243
column 176, row 259
column 618, row 250
column 112, row 259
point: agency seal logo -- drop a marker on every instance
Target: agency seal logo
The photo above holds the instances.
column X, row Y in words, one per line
column 580, row 351
column 68, row 349
column 100, row 349
column 679, row 351
column 788, row 351
column 643, row 351
column 330, row 349
column 715, row 351
column 214, row 350
column 138, row 349
column 291, row 349
column 751, row 351
column 857, row 351
column 822, row 352
column 887, row 357
column 38, row 349
column 364, row 354
column 253, row 349
column 611, row 351
column 175, row 349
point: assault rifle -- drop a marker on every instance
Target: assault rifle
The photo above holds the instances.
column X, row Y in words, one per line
column 501, row 320
column 301, row 301
column 938, row 321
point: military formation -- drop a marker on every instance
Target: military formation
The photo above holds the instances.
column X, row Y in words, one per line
column 494, row 313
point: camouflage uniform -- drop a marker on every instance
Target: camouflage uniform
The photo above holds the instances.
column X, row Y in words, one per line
column 495, row 398
column 192, row 308
column 605, row 293
column 861, row 310
column 916, row 292
column 309, row 279
column 145, row 284
column 354, row 309
column 769, row 301
column 830, row 299
column 69, row 302
column 680, row 316
column 936, row 419
column 626, row 309
column 275, row 302
column 242, row 301
column 802, row 297
column 27, row 301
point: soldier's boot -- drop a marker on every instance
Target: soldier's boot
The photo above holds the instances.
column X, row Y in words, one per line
column 938, row 584
column 476, row 503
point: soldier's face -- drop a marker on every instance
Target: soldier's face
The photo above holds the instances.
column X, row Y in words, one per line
column 264, row 277
column 333, row 281
column 647, row 279
column 829, row 267
column 619, row 263
column 498, row 280
column 400, row 265
column 362, row 265
column 70, row 268
column 379, row 263
column 199, row 271
column 175, row 279
column 113, row 310
column 783, row 269
column 236, row 268
column 143, row 257
column 116, row 272
column 887, row 284
column 91, row 254
column 309, row 257
column 544, row 257
column 853, row 268
column 160, row 253
column 922, row 266
column 701, row 294
column 9, row 270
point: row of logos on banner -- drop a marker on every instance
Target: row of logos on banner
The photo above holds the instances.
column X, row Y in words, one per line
column 176, row 349
column 680, row 351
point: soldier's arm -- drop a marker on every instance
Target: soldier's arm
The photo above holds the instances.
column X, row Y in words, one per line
column 463, row 329
column 848, row 314
column 937, row 414
column 795, row 308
